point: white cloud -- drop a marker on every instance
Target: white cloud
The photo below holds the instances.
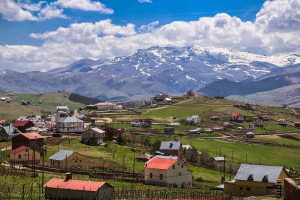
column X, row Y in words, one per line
column 86, row 5
column 104, row 39
column 13, row 11
column 18, row 10
column 145, row 1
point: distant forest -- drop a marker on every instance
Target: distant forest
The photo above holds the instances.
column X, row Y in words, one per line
column 82, row 99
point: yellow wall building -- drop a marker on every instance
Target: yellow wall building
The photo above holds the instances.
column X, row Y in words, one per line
column 66, row 159
column 254, row 180
column 24, row 154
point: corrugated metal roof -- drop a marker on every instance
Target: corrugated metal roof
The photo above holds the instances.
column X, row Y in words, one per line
column 258, row 172
column 61, row 154
column 74, row 184
column 10, row 130
column 161, row 162
column 170, row 145
column 70, row 119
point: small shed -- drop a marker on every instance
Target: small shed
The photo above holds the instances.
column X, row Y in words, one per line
column 282, row 122
column 71, row 189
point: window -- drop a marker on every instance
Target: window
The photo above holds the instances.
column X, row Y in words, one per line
column 161, row 176
column 182, row 166
column 19, row 156
column 241, row 188
column 248, row 188
column 151, row 175
column 179, row 173
column 173, row 166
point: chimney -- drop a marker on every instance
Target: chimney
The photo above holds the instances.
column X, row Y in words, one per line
column 68, row 176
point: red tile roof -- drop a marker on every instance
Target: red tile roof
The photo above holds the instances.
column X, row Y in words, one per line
column 32, row 136
column 235, row 115
column 74, row 184
column 20, row 123
column 19, row 149
column 160, row 163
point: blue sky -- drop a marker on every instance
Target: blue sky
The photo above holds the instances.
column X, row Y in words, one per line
column 131, row 11
column 43, row 35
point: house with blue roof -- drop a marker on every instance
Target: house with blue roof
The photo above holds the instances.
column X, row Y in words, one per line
column 67, row 159
column 171, row 148
column 256, row 180
column 8, row 132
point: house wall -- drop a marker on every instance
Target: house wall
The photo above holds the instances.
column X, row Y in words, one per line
column 91, row 137
column 25, row 156
column 155, row 180
column 20, row 140
column 171, row 176
column 70, row 127
column 168, row 152
column 246, row 188
column 291, row 189
column 104, row 193
column 75, row 161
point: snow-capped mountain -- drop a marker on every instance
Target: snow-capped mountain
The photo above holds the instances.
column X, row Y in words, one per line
column 148, row 71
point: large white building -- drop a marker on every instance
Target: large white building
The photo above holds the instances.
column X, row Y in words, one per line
column 108, row 106
column 69, row 125
column 167, row 171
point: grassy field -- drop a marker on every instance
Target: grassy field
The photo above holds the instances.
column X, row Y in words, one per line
column 39, row 104
column 252, row 153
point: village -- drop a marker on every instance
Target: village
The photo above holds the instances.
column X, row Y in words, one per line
column 198, row 147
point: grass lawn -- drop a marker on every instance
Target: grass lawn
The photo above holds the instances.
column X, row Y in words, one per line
column 256, row 154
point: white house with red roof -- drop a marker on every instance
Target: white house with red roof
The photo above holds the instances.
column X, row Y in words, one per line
column 167, row 171
column 23, row 155
column 71, row 189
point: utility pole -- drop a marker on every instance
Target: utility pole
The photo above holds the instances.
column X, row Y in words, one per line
column 43, row 169
column 224, row 168
column 123, row 163
column 133, row 170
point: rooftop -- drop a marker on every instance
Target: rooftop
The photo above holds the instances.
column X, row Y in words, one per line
column 70, row 119
column 170, row 145
column 161, row 162
column 74, row 184
column 259, row 173
column 61, row 154
column 32, row 136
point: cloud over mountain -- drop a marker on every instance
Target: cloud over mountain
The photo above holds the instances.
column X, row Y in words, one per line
column 276, row 30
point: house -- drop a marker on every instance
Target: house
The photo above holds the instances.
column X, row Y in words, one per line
column 161, row 97
column 282, row 122
column 227, row 125
column 255, row 180
column 105, row 106
column 297, row 124
column 8, row 132
column 32, row 140
column 22, row 125
column 168, row 100
column 63, row 109
column 169, row 130
column 69, row 125
column 72, row 189
column 167, row 171
column 263, row 117
column 215, row 118
column 259, row 123
column 191, row 93
column 195, row 119
column 67, row 159
column 23, row 155
column 171, row 148
column 236, row 117
column 93, row 136
column 248, row 135
column 251, row 126
column 196, row 131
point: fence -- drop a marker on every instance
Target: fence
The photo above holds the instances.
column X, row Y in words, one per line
column 171, row 194
column 34, row 192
